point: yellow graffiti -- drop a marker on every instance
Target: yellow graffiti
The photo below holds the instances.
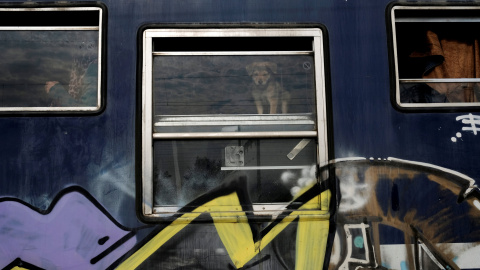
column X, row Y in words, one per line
column 236, row 235
column 312, row 238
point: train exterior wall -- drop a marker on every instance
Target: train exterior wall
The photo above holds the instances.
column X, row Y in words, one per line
column 399, row 190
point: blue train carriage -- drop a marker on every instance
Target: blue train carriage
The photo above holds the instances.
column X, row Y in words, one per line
column 239, row 135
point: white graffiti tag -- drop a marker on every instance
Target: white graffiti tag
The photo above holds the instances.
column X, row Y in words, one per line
column 472, row 120
column 472, row 123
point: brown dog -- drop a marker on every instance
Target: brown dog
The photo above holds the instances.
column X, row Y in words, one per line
column 265, row 90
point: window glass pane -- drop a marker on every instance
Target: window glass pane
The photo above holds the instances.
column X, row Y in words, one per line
column 438, row 50
column 49, row 68
column 435, row 45
column 275, row 169
column 206, row 85
column 439, row 92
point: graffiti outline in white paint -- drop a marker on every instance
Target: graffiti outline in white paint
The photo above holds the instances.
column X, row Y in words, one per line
column 472, row 123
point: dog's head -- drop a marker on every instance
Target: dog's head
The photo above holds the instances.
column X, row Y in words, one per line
column 261, row 72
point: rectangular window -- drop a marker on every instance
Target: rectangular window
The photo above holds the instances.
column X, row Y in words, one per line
column 51, row 59
column 220, row 104
column 436, row 55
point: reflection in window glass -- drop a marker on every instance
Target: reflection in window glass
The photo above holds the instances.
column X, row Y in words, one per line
column 275, row 169
column 51, row 58
column 196, row 85
column 439, row 92
column 49, row 68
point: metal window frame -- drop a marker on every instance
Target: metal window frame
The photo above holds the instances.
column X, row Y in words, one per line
column 397, row 80
column 100, row 81
column 148, row 136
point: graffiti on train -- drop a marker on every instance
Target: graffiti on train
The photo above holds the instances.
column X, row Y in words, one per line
column 471, row 124
column 76, row 232
column 70, row 234
column 386, row 221
column 361, row 213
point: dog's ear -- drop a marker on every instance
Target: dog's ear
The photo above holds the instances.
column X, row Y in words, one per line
column 271, row 66
column 249, row 68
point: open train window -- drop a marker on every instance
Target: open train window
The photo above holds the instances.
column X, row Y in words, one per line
column 230, row 103
column 51, row 59
column 436, row 56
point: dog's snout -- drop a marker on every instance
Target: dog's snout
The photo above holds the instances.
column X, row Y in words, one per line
column 261, row 78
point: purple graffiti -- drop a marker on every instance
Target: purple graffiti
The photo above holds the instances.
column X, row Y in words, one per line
column 75, row 234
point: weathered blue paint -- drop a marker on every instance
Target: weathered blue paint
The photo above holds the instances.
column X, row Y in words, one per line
column 40, row 156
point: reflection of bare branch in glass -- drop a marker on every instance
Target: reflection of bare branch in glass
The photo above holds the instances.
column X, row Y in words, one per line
column 76, row 87
column 81, row 88
column 49, row 68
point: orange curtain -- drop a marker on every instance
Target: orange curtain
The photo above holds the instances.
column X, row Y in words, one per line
column 461, row 59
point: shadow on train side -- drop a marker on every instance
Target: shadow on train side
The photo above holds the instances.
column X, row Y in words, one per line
column 367, row 214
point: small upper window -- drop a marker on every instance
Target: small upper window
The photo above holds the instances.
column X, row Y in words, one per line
column 51, row 59
column 436, row 55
